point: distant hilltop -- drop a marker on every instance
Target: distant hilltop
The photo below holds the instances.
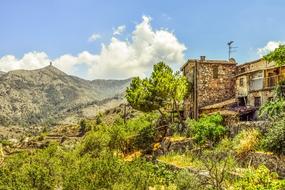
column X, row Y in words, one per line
column 35, row 96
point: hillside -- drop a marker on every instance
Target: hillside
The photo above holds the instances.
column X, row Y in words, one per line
column 29, row 97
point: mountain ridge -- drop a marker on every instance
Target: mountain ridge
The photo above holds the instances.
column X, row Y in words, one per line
column 37, row 96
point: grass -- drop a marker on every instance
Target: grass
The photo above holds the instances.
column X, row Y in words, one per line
column 181, row 160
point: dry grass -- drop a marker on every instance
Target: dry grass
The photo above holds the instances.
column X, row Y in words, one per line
column 177, row 137
column 132, row 156
column 181, row 160
column 246, row 141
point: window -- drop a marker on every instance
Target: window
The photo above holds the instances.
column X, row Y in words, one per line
column 257, row 102
column 215, row 72
column 241, row 81
column 242, row 70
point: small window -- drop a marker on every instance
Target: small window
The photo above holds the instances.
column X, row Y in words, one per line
column 242, row 70
column 241, row 81
column 215, row 72
column 257, row 102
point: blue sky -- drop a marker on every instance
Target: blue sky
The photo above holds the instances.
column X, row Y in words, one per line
column 60, row 27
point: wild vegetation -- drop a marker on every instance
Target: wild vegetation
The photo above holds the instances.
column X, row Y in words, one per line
column 145, row 149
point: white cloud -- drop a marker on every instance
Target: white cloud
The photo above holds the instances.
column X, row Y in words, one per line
column 270, row 46
column 119, row 30
column 94, row 37
column 118, row 59
column 32, row 60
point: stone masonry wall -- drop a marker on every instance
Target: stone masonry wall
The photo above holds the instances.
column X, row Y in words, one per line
column 211, row 90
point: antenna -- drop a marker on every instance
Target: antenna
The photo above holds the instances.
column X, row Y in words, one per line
column 231, row 48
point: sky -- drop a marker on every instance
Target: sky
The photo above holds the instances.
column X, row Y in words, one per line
column 114, row 39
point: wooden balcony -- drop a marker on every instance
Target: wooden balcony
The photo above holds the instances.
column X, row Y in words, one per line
column 271, row 82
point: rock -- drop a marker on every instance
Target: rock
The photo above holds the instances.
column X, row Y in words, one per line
column 181, row 146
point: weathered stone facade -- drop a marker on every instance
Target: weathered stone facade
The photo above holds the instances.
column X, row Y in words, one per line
column 256, row 80
column 215, row 82
column 214, row 90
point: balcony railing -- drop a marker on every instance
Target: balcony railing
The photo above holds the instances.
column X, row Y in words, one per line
column 270, row 82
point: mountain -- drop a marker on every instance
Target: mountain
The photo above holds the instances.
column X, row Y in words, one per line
column 2, row 73
column 42, row 95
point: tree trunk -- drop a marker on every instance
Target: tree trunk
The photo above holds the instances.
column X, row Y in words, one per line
column 177, row 110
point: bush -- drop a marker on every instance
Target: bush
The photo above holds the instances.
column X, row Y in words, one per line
column 145, row 138
column 186, row 180
column 207, row 128
column 94, row 143
column 261, row 178
column 137, row 133
column 274, row 139
column 246, row 141
column 41, row 170
column 85, row 126
column 220, row 165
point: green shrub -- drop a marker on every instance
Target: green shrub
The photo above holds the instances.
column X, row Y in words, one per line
column 94, row 143
column 261, row 178
column 136, row 133
column 41, row 170
column 206, row 129
column 186, row 180
column 85, row 126
column 145, row 138
column 274, row 139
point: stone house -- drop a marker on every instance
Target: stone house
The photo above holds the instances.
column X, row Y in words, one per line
column 225, row 87
column 255, row 82
column 212, row 81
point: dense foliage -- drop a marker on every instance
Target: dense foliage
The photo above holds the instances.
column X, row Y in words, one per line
column 95, row 163
column 274, row 139
column 54, row 168
column 162, row 88
column 261, row 178
column 207, row 128
column 278, row 56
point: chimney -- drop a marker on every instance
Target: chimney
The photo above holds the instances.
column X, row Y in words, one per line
column 202, row 58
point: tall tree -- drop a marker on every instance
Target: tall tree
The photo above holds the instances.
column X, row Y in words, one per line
column 162, row 88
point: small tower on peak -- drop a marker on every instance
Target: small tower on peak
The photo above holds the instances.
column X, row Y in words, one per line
column 50, row 64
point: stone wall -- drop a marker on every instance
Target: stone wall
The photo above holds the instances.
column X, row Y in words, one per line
column 264, row 95
column 236, row 127
column 211, row 90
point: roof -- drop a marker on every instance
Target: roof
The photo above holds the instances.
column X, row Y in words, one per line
column 250, row 62
column 243, row 109
column 220, row 104
column 230, row 62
